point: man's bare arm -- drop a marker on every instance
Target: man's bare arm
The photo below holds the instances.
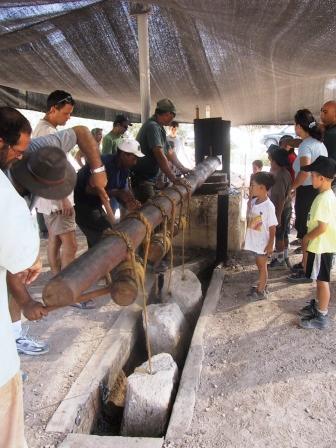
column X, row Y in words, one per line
column 31, row 309
column 172, row 157
column 89, row 148
column 163, row 163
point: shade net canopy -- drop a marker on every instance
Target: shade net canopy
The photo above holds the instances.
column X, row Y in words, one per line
column 252, row 61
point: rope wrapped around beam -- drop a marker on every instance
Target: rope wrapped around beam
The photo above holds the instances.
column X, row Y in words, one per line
column 86, row 270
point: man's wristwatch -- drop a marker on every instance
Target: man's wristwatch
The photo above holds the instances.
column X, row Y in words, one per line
column 101, row 169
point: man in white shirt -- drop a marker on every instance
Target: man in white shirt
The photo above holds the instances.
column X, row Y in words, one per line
column 184, row 156
column 19, row 248
column 59, row 216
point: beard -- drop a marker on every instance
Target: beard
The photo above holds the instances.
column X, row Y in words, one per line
column 4, row 163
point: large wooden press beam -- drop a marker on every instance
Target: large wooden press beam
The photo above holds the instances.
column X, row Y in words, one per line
column 66, row 287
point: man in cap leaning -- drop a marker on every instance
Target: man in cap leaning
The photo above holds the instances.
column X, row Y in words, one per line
column 90, row 216
column 153, row 142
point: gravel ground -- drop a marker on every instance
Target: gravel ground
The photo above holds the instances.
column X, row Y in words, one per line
column 265, row 382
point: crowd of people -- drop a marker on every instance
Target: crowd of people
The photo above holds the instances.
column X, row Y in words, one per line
column 36, row 175
column 307, row 178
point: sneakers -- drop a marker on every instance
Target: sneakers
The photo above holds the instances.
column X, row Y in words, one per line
column 299, row 277
column 308, row 310
column 316, row 322
column 254, row 295
column 288, row 263
column 26, row 345
column 88, row 305
column 275, row 265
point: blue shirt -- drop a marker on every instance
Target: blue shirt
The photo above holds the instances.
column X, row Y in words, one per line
column 116, row 180
column 310, row 148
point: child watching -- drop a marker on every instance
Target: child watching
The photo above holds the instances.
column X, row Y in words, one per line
column 257, row 166
column 319, row 243
column 260, row 232
column 281, row 197
column 286, row 142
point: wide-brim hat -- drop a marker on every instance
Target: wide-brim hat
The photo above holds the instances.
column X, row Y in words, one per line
column 45, row 172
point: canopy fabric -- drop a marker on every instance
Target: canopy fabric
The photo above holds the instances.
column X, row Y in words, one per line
column 252, row 61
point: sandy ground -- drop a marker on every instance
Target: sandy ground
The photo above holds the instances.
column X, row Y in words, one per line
column 265, row 382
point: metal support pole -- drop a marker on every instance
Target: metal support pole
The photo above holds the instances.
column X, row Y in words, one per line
column 142, row 13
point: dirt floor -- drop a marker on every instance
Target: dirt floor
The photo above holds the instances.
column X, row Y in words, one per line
column 73, row 335
column 265, row 382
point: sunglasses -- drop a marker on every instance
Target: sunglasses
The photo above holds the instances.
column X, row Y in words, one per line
column 68, row 99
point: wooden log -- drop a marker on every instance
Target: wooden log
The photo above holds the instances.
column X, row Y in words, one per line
column 124, row 287
column 157, row 249
column 78, row 276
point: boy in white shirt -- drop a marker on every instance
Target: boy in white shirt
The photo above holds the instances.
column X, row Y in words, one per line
column 260, row 231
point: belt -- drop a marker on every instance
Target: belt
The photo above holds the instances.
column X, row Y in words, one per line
column 56, row 212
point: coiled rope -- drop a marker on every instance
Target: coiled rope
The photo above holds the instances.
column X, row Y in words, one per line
column 139, row 274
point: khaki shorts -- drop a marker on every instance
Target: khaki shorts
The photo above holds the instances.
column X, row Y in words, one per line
column 11, row 414
column 58, row 224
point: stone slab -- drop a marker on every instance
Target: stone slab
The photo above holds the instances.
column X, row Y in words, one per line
column 149, row 398
column 89, row 441
column 186, row 292
column 168, row 330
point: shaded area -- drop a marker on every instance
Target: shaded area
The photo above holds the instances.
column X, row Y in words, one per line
column 251, row 61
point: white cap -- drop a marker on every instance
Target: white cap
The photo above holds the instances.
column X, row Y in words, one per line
column 131, row 146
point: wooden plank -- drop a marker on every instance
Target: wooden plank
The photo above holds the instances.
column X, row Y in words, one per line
column 184, row 405
column 88, row 441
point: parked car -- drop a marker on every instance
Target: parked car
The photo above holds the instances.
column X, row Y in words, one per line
column 273, row 139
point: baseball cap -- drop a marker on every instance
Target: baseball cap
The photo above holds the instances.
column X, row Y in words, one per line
column 165, row 105
column 45, row 172
column 121, row 118
column 322, row 165
column 131, row 146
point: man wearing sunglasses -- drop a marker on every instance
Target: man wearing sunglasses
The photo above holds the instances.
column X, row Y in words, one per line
column 113, row 138
column 59, row 216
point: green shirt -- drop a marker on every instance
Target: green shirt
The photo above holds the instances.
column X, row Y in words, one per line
column 323, row 209
column 110, row 143
column 150, row 135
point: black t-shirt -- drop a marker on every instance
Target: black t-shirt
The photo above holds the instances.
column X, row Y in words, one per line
column 116, row 179
column 329, row 141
